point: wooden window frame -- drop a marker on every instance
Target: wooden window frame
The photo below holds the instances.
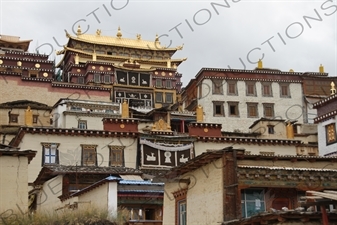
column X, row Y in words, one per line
column 180, row 196
column 330, row 132
column 217, row 86
column 46, row 146
column 265, row 107
column 88, row 148
column 221, row 105
column 286, row 87
column 13, row 118
column 253, row 84
column 269, row 85
column 119, row 150
column 82, row 122
column 232, row 88
column 166, row 97
column 255, row 105
column 159, row 100
column 236, row 105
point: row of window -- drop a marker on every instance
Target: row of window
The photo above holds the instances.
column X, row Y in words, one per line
column 232, row 88
column 14, row 118
column 51, row 155
column 163, row 83
column 252, row 109
column 164, row 97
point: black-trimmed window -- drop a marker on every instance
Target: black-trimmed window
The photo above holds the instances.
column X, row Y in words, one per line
column 89, row 155
column 330, row 130
column 232, row 88
column 218, row 108
column 13, row 118
column 82, row 124
column 284, row 91
column 159, row 83
column 159, row 97
column 252, row 110
column 168, row 83
column 267, row 90
column 268, row 110
column 217, row 87
column 97, row 78
column 116, row 155
column 50, row 153
column 80, row 80
column 169, row 97
column 250, row 88
column 233, row 109
column 252, row 202
column 107, row 78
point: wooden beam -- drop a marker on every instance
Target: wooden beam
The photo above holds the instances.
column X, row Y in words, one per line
column 324, row 216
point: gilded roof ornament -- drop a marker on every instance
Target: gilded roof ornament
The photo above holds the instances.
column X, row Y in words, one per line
column 139, row 36
column 321, row 69
column 79, row 31
column 119, row 33
column 67, row 34
column 98, row 32
column 157, row 38
column 333, row 89
column 180, row 47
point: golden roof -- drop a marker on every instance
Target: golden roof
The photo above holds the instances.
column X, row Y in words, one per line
column 14, row 40
column 120, row 41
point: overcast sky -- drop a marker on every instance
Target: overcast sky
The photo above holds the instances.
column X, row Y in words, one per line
column 215, row 33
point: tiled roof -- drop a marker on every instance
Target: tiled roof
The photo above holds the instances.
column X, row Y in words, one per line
column 138, row 182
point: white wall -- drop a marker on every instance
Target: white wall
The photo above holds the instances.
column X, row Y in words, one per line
column 70, row 150
column 285, row 108
column 323, row 148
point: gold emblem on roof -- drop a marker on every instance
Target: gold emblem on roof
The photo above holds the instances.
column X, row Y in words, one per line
column 119, row 33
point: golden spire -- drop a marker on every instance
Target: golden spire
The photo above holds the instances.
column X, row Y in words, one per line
column 333, row 89
column 119, row 33
column 98, row 32
column 291, row 70
column 259, row 64
column 157, row 38
column 79, row 31
column 321, row 69
column 125, row 109
column 28, row 117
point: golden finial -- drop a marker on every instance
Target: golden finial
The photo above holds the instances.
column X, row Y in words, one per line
column 28, row 117
column 139, row 36
column 333, row 89
column 79, row 31
column 125, row 109
column 98, row 32
column 119, row 33
column 321, row 69
column 259, row 64
column 291, row 70
column 157, row 38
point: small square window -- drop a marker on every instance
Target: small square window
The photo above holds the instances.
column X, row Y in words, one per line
column 232, row 88
column 233, row 109
column 268, row 110
column 107, row 79
column 82, row 124
column 266, row 90
column 168, row 84
column 169, row 98
column 89, row 155
column 159, row 83
column 50, row 153
column 116, row 155
column 217, row 86
column 13, row 118
column 159, row 97
column 97, row 78
column 270, row 129
column 250, row 89
column 284, row 91
column 80, row 80
column 218, row 109
column 252, row 110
